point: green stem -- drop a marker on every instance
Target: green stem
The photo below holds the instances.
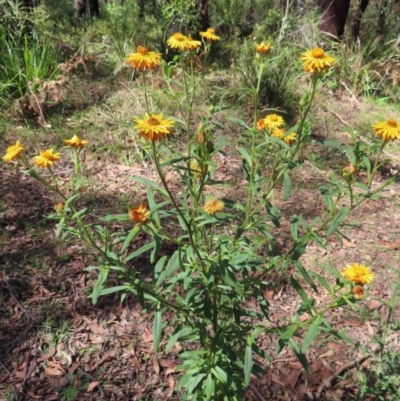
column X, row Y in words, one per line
column 376, row 164
column 145, row 92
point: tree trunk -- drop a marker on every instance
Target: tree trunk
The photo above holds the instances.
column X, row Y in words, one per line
column 202, row 9
column 334, row 15
column 93, row 8
column 380, row 29
column 358, row 17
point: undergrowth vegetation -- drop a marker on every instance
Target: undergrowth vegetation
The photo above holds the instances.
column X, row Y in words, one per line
column 249, row 86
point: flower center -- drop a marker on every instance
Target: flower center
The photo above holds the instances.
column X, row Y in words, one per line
column 392, row 123
column 273, row 118
column 142, row 50
column 179, row 36
column 317, row 53
column 210, row 30
column 153, row 121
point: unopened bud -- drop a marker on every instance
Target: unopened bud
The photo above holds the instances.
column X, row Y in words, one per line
column 351, row 169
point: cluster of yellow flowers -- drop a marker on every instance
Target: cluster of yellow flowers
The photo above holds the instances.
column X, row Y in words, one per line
column 47, row 157
column 359, row 275
column 274, row 124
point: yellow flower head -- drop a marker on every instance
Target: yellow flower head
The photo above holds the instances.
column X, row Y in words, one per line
column 280, row 134
column 58, row 207
column 46, row 158
column 387, row 130
column 154, row 127
column 263, row 48
column 260, row 124
column 213, row 206
column 178, row 41
column 360, row 274
column 192, row 44
column 209, row 34
column 76, row 142
column 143, row 59
column 273, row 121
column 316, row 60
column 13, row 152
column 139, row 214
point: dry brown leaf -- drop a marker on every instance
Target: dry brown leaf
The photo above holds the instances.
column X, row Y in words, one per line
column 147, row 336
column 295, row 365
column 334, row 346
column 374, row 304
column 292, row 377
column 166, row 363
column 92, row 386
column 171, row 382
column 369, row 328
column 348, row 244
column 97, row 329
column 53, row 372
column 156, row 367
column 36, row 397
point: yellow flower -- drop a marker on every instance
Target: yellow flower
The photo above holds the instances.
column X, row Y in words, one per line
column 58, row 207
column 273, row 121
column 280, row 133
column 260, row 124
column 199, row 170
column 263, row 48
column 316, row 60
column 360, row 274
column 178, row 41
column 46, row 158
column 143, row 59
column 154, row 127
column 76, row 142
column 13, row 152
column 213, row 206
column 139, row 214
column 209, row 34
column 192, row 44
column 387, row 130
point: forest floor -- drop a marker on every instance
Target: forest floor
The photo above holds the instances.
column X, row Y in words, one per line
column 55, row 345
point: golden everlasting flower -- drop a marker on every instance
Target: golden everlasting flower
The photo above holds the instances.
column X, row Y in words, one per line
column 213, row 206
column 13, row 152
column 178, row 41
column 260, row 124
column 76, row 142
column 316, row 60
column 263, row 48
column 273, row 121
column 360, row 274
column 143, row 59
column 358, row 292
column 139, row 214
column 387, row 130
column 154, row 127
column 209, row 34
column 46, row 158
column 350, row 169
column 280, row 133
column 192, row 44
column 58, row 207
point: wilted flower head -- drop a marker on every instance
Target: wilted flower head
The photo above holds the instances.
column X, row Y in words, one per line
column 178, row 41
column 76, row 142
column 316, row 60
column 213, row 206
column 46, row 158
column 58, row 207
column 280, row 134
column 139, row 214
column 272, row 121
column 13, row 152
column 154, row 127
column 262, row 48
column 199, row 169
column 358, row 292
column 209, row 34
column 143, row 59
column 387, row 130
column 350, row 169
column 360, row 274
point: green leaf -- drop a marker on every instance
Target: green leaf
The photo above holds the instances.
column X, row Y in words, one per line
column 186, row 331
column 300, row 356
column 210, row 386
column 157, row 325
column 294, row 226
column 152, row 205
column 173, row 264
column 361, row 186
column 245, row 154
column 287, row 185
column 339, row 217
column 238, row 121
column 60, row 226
column 194, row 382
column 130, row 237
column 71, row 199
column 305, row 275
column 220, row 374
column 323, row 282
column 312, row 332
column 78, row 183
column 159, row 266
column 115, row 217
column 139, row 251
column 299, row 289
column 150, row 183
column 157, row 247
column 80, row 213
column 112, row 290
column 248, row 364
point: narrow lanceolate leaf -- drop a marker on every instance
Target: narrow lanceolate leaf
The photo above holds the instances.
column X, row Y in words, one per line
column 130, row 237
column 312, row 332
column 156, row 330
column 337, row 220
column 248, row 364
column 287, row 186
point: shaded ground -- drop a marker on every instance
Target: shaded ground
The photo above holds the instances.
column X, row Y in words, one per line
column 55, row 345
